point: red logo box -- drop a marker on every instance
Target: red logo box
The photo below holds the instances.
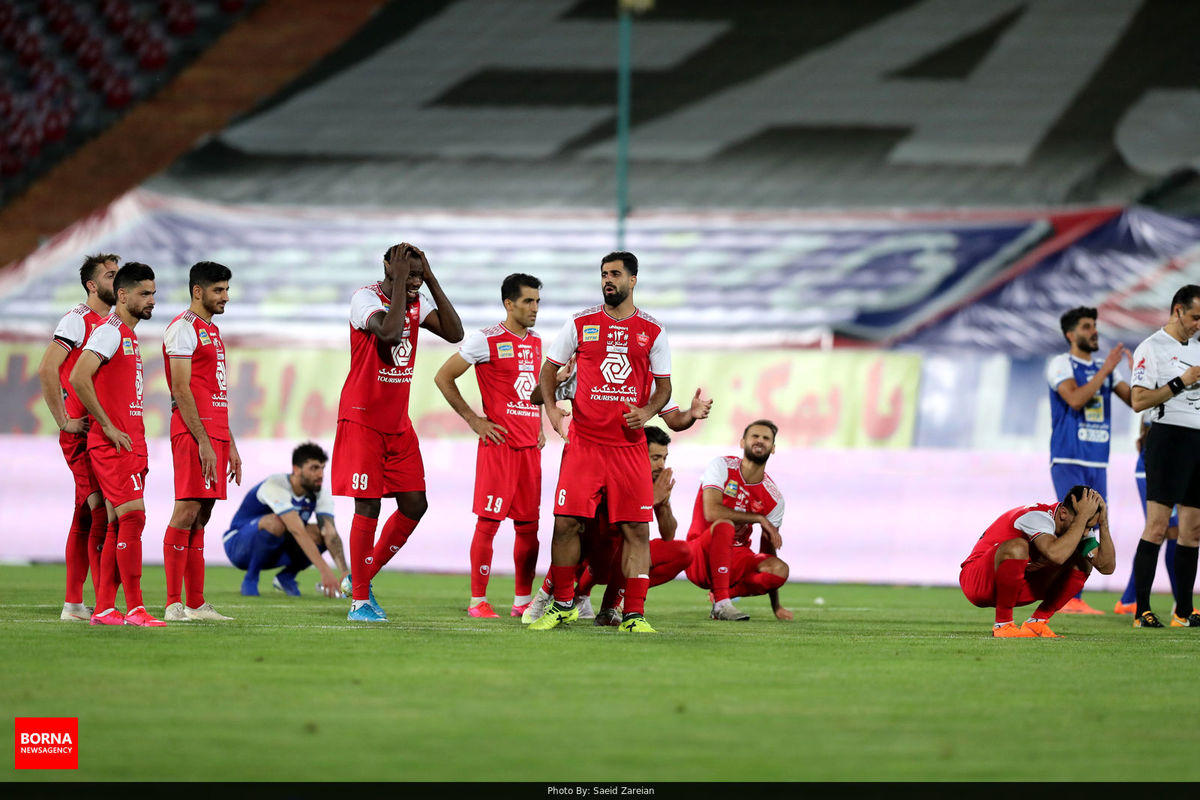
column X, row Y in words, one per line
column 46, row 742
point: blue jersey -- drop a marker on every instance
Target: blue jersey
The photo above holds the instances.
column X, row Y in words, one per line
column 275, row 496
column 1079, row 437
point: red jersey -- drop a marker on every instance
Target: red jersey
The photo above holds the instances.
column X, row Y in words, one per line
column 118, row 382
column 72, row 331
column 616, row 362
column 1029, row 522
column 506, row 367
column 725, row 474
column 190, row 337
column 376, row 390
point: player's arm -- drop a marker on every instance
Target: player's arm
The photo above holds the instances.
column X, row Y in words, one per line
column 1104, row 559
column 333, row 542
column 443, row 320
column 680, row 420
column 295, row 527
column 1077, row 396
column 715, row 511
column 667, row 524
column 52, row 390
column 445, row 378
column 1058, row 549
column 1123, row 391
column 547, row 382
column 765, row 547
column 235, row 461
column 81, row 378
column 638, row 417
column 185, row 401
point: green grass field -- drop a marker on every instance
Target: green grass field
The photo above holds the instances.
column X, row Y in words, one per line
column 876, row 684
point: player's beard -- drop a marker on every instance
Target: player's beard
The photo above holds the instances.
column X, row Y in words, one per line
column 109, row 298
column 754, row 458
column 1086, row 345
column 616, row 298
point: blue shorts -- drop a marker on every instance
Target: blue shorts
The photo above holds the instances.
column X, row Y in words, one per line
column 239, row 543
column 1066, row 476
column 275, row 551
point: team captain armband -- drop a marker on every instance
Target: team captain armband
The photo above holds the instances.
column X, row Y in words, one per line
column 1176, row 385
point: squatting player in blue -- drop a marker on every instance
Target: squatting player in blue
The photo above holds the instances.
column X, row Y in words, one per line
column 1081, row 391
column 287, row 521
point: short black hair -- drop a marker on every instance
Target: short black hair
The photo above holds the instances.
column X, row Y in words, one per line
column 657, row 436
column 206, row 273
column 1070, row 320
column 625, row 257
column 92, row 263
column 766, row 423
column 1074, row 496
column 510, row 289
column 1185, row 296
column 131, row 275
column 309, row 451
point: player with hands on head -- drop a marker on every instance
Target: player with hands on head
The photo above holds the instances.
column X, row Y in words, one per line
column 376, row 453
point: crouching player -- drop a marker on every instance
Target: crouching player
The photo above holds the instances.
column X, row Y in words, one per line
column 735, row 495
column 1042, row 551
column 287, row 521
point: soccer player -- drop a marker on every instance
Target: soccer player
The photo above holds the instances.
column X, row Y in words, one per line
column 668, row 555
column 1042, row 551
column 108, row 380
column 202, row 446
column 618, row 350
column 1081, row 390
column 735, row 495
column 89, row 518
column 1127, row 604
column 375, row 451
column 286, row 521
column 1166, row 378
column 508, row 464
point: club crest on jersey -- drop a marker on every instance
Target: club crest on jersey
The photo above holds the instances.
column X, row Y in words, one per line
column 504, row 350
column 643, row 339
column 127, row 346
column 204, row 337
column 731, row 488
column 591, row 333
column 756, row 506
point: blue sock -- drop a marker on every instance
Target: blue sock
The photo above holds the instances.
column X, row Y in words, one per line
column 1169, row 560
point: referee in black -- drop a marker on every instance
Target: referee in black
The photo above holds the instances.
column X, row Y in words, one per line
column 1166, row 378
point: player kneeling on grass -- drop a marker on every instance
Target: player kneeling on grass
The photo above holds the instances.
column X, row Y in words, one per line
column 735, row 495
column 272, row 528
column 1042, row 551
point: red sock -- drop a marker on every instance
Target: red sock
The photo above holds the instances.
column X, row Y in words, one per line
column 175, row 554
column 481, row 554
column 563, row 579
column 548, row 582
column 667, row 559
column 757, row 583
column 635, row 594
column 96, row 534
column 525, row 554
column 129, row 555
column 1010, row 577
column 720, row 556
column 614, row 592
column 362, row 544
column 587, row 582
column 396, row 531
column 76, row 553
column 194, row 571
column 110, row 576
column 1060, row 592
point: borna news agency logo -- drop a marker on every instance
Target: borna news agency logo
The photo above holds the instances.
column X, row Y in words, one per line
column 46, row 742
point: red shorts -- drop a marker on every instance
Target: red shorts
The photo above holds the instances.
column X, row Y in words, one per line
column 978, row 582
column 122, row 475
column 74, row 449
column 370, row 464
column 742, row 562
column 508, row 482
column 190, row 483
column 619, row 475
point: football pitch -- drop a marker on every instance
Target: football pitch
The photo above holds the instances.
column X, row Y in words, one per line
column 872, row 684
